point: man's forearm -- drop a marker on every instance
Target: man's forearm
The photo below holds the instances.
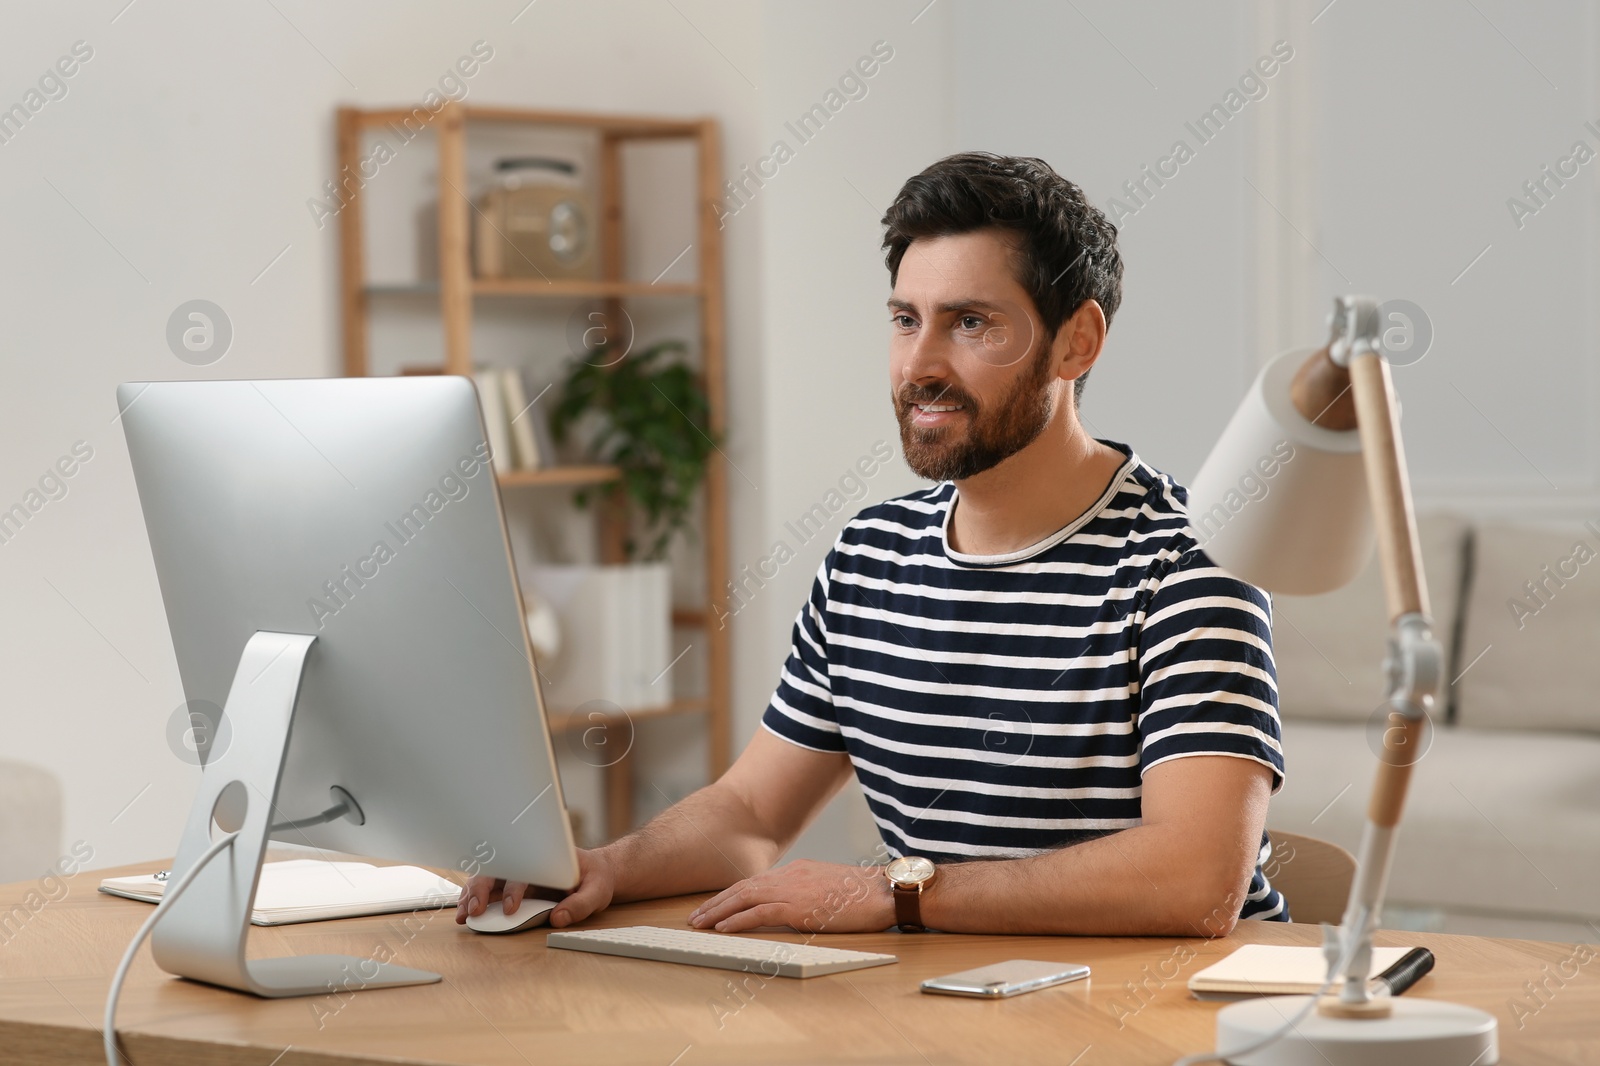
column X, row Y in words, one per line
column 706, row 841
column 1142, row 881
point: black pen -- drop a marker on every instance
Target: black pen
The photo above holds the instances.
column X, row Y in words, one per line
column 1412, row 967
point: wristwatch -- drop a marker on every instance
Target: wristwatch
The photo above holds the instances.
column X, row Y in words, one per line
column 909, row 876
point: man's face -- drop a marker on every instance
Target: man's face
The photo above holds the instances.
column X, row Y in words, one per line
column 970, row 368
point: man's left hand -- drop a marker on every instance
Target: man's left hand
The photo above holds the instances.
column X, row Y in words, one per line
column 805, row 895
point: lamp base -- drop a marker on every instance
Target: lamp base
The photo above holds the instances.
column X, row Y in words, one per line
column 1417, row 1032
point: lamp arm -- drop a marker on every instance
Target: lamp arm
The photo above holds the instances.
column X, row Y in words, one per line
column 1312, row 540
column 1414, row 666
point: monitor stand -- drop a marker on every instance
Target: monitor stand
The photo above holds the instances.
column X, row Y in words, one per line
column 202, row 934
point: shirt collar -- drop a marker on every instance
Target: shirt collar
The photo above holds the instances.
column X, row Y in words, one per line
column 1023, row 554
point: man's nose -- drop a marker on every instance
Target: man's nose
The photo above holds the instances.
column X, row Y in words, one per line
column 927, row 360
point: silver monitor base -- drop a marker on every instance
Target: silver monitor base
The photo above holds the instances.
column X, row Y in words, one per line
column 318, row 975
column 202, row 934
column 1418, row 1032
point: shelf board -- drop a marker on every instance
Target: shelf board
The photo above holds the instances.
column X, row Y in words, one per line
column 581, row 287
column 614, row 125
column 561, row 288
column 623, row 126
column 572, row 474
column 403, row 288
column 563, row 721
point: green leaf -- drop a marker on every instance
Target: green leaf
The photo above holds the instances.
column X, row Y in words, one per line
column 655, row 425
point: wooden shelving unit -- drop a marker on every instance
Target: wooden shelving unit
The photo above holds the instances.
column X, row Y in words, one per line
column 456, row 291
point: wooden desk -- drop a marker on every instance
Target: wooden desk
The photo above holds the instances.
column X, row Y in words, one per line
column 510, row 1001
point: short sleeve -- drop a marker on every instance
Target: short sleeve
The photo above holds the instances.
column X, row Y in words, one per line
column 801, row 710
column 1207, row 683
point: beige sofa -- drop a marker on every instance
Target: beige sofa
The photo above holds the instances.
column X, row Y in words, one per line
column 1502, row 825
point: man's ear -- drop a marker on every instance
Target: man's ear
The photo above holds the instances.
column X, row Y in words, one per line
column 1080, row 340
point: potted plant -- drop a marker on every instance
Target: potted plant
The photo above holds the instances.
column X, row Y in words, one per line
column 653, row 422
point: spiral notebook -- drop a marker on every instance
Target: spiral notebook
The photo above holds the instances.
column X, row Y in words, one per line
column 312, row 890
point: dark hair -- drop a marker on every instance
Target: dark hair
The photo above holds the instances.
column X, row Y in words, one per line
column 1067, row 248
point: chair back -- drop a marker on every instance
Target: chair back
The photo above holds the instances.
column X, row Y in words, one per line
column 1313, row 875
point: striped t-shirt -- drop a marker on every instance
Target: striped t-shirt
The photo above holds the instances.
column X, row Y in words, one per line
column 1001, row 706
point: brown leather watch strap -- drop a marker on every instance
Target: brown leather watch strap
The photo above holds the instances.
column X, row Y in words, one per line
column 908, row 909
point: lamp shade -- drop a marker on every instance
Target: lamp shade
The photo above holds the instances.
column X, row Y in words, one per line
column 1280, row 502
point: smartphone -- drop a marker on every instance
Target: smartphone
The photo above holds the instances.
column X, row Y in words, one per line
column 1009, row 978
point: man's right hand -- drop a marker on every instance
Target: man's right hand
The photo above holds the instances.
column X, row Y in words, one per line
column 596, row 883
column 754, row 811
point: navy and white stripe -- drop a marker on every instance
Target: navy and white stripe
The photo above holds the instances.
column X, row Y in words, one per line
column 1002, row 706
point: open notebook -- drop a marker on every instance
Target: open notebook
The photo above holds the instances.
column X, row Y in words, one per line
column 1276, row 970
column 310, row 890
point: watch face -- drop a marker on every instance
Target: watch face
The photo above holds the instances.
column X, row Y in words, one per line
column 910, row 870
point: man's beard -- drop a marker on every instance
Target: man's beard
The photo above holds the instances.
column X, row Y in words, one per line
column 949, row 453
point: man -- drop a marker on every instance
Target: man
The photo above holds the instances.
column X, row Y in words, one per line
column 1040, row 681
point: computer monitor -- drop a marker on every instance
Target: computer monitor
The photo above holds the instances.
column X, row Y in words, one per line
column 338, row 579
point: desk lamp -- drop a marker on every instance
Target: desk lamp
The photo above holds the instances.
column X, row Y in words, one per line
column 1304, row 525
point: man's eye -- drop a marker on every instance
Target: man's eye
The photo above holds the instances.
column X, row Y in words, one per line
column 901, row 321
column 974, row 319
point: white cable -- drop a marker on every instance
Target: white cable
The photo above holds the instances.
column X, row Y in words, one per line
column 1219, row 1055
column 168, row 897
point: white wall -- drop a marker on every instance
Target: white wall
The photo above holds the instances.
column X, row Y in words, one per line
column 826, row 328
column 1099, row 95
column 1379, row 161
column 1416, row 166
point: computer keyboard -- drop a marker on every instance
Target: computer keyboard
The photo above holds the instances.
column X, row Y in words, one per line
column 774, row 958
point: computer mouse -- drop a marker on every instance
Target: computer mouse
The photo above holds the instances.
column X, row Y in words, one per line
column 494, row 919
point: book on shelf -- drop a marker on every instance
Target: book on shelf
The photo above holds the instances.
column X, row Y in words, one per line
column 520, row 412
column 312, row 890
column 653, row 684
column 496, row 423
column 539, row 417
column 616, row 634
